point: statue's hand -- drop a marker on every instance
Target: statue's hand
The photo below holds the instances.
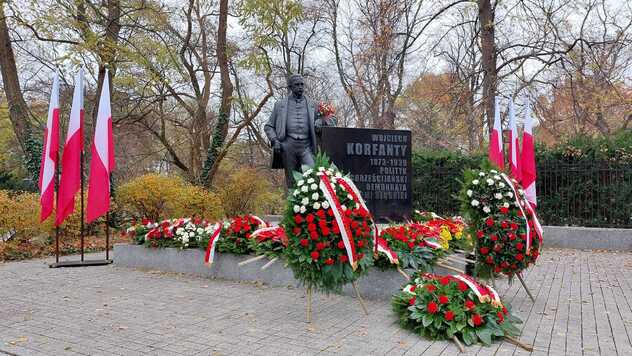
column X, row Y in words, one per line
column 276, row 146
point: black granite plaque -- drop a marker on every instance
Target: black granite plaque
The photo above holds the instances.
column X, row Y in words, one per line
column 379, row 162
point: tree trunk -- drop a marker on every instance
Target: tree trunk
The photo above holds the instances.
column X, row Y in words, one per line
column 488, row 60
column 221, row 127
column 19, row 114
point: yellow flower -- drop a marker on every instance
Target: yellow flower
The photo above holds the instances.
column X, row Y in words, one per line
column 459, row 234
column 445, row 237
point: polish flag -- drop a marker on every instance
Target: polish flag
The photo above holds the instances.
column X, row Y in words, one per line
column 495, row 141
column 514, row 145
column 49, row 154
column 528, row 158
column 71, row 158
column 102, row 163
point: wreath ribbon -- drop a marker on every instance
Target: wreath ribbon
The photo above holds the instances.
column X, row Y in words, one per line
column 210, row 249
column 353, row 190
column 345, row 232
column 482, row 291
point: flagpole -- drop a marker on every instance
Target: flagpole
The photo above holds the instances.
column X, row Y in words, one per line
column 82, row 227
column 57, row 206
column 107, row 235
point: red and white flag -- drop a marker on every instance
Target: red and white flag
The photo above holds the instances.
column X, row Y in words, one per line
column 70, row 182
column 496, row 155
column 102, row 163
column 49, row 154
column 514, row 145
column 528, row 158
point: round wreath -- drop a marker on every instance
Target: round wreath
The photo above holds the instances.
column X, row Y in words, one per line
column 443, row 307
column 330, row 232
column 507, row 233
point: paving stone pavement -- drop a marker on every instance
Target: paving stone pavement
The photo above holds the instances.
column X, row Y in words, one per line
column 583, row 307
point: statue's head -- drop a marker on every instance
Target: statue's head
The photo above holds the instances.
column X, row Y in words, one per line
column 296, row 85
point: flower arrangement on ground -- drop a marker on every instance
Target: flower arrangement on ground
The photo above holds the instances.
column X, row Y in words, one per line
column 508, row 234
column 269, row 241
column 415, row 245
column 181, row 233
column 443, row 307
column 452, row 229
column 330, row 232
column 236, row 233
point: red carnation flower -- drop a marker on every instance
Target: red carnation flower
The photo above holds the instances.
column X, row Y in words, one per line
column 343, row 258
column 321, row 213
column 360, row 244
column 313, row 235
column 523, row 237
column 310, row 218
column 443, row 299
column 519, row 213
column 519, row 246
column 430, row 288
column 335, row 229
column 505, row 311
column 304, row 242
column 512, row 236
column 330, row 212
column 311, row 227
column 432, row 308
column 489, row 222
column 519, row 257
column 493, row 237
column 444, row 281
column 513, row 226
column 315, row 255
column 463, row 287
column 296, row 230
column 412, row 301
column 501, row 317
column 477, row 320
column 320, row 246
column 489, row 260
column 504, row 210
column 341, row 245
column 497, row 248
column 145, row 221
column 497, row 269
column 480, row 234
column 298, row 219
column 484, row 250
column 325, row 231
column 469, row 305
column 329, row 261
column 413, row 287
column 411, row 245
column 448, row 316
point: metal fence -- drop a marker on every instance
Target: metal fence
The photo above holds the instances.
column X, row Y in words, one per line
column 593, row 194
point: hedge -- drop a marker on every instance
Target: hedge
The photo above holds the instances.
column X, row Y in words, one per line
column 584, row 182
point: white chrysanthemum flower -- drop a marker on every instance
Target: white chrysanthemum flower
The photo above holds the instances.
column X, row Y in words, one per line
column 316, row 206
column 497, row 177
column 303, row 209
column 498, row 196
column 338, row 175
column 349, row 196
column 300, row 182
column 191, row 234
column 408, row 288
column 325, row 205
column 315, row 196
column 494, row 171
column 307, row 172
column 505, row 205
column 509, row 194
column 305, row 201
column 304, row 189
column 310, row 181
column 501, row 184
column 486, row 209
column 490, row 182
column 296, row 192
column 469, row 193
column 343, row 207
column 296, row 208
column 475, row 202
column 200, row 230
column 482, row 174
column 321, row 169
column 313, row 187
column 475, row 182
column 179, row 231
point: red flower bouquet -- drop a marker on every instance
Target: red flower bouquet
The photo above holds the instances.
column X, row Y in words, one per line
column 443, row 307
column 236, row 232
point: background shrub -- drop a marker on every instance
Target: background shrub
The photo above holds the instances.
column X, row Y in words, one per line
column 248, row 191
column 157, row 197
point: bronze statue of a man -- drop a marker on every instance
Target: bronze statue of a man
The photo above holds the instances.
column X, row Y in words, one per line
column 292, row 129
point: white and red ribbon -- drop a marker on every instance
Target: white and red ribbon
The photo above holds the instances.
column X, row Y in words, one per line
column 483, row 292
column 353, row 190
column 382, row 247
column 262, row 223
column 345, row 232
column 210, row 249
